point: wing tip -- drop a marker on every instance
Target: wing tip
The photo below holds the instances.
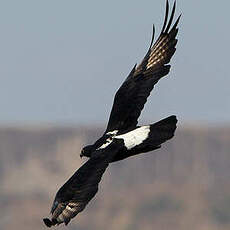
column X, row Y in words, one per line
column 176, row 23
column 171, row 18
column 166, row 17
column 48, row 222
column 153, row 34
column 167, row 24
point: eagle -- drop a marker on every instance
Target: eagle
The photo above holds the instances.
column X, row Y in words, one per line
column 122, row 137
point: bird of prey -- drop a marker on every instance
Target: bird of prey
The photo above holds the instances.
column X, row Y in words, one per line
column 132, row 95
column 122, row 138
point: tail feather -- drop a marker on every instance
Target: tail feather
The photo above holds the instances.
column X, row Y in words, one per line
column 162, row 131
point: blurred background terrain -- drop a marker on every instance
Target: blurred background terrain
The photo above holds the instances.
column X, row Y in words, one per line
column 184, row 185
column 61, row 63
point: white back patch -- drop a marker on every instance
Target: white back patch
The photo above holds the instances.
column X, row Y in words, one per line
column 108, row 142
column 114, row 132
column 109, row 139
column 135, row 137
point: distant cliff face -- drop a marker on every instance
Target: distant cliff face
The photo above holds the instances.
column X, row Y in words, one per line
column 176, row 187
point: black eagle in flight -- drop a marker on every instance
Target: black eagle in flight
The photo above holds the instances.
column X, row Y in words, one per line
column 122, row 138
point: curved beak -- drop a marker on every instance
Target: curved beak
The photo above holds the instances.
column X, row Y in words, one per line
column 81, row 154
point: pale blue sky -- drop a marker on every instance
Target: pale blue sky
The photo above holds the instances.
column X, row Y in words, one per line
column 62, row 61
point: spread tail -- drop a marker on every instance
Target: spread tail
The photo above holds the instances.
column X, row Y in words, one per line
column 161, row 131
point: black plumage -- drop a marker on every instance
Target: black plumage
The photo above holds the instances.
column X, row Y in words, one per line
column 131, row 97
column 122, row 138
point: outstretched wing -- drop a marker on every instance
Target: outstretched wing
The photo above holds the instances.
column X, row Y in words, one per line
column 75, row 194
column 132, row 95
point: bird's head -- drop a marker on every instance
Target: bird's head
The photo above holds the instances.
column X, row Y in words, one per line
column 86, row 151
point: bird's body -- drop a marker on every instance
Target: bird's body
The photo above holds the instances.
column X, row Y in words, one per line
column 139, row 140
column 122, row 138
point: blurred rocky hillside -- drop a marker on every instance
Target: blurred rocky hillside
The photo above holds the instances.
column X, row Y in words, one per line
column 183, row 186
